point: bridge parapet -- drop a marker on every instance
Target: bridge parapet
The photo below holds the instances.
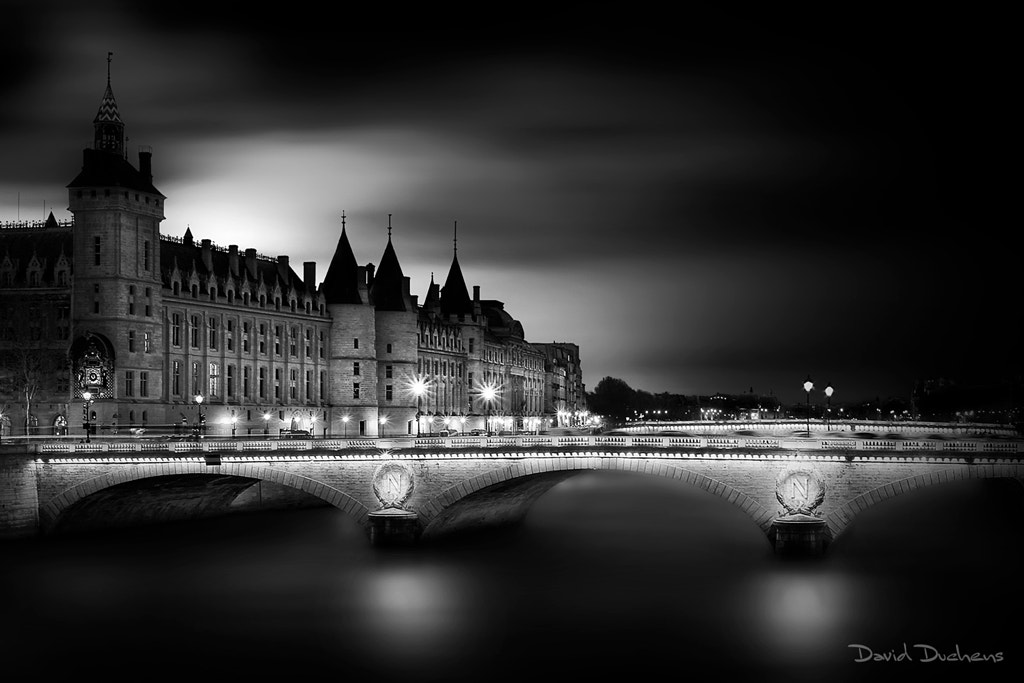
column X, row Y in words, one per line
column 433, row 444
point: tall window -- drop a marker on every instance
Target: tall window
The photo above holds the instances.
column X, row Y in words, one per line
column 277, row 383
column 292, row 342
column 214, row 379
column 176, row 378
column 213, row 333
column 96, row 249
column 231, row 381
column 196, row 387
column 292, row 381
column 176, row 329
column 145, row 254
column 309, row 385
column 355, row 368
column 355, row 390
column 143, row 383
column 263, row 383
column 131, row 341
column 129, row 382
column 388, row 392
column 277, row 340
column 194, row 332
column 146, row 342
column 245, row 381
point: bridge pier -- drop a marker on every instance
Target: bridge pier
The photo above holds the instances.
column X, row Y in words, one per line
column 391, row 527
column 800, row 535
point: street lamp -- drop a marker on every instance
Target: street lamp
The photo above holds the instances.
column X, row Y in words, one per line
column 808, row 385
column 419, row 387
column 487, row 394
column 344, row 422
column 200, row 419
column 234, row 421
column 828, row 412
column 383, row 419
column 87, row 417
column 266, row 424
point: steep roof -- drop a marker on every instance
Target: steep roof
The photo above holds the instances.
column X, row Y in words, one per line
column 188, row 257
column 108, row 107
column 46, row 244
column 387, row 291
column 454, row 295
column 341, row 284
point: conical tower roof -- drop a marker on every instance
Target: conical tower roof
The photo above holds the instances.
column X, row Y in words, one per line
column 341, row 284
column 387, row 290
column 108, row 108
column 432, row 300
column 454, row 294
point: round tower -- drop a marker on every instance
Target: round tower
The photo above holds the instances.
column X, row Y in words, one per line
column 116, row 309
column 352, row 382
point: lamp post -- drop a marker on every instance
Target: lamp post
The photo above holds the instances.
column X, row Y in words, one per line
column 88, row 415
column 266, row 424
column 418, row 388
column 808, row 385
column 234, row 422
column 344, row 422
column 200, row 419
column 383, row 419
column 828, row 411
column 488, row 393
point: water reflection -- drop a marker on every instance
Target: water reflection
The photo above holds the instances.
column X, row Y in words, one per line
column 611, row 576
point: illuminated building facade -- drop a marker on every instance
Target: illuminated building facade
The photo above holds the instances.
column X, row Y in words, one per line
column 145, row 323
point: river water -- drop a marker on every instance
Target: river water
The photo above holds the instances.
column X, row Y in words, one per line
column 611, row 577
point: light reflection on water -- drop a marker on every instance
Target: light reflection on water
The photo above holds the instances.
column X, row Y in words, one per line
column 612, row 575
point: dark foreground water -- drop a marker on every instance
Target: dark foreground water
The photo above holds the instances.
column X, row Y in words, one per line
column 613, row 577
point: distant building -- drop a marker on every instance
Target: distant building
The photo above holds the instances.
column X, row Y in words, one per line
column 147, row 322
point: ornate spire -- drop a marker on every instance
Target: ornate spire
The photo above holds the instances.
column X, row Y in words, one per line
column 108, row 126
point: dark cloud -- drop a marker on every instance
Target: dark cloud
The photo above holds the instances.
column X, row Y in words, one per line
column 703, row 202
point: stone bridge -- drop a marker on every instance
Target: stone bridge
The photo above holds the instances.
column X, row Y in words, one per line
column 801, row 492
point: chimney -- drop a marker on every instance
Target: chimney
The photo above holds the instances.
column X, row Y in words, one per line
column 282, row 268
column 146, row 162
column 309, row 275
column 369, row 274
column 476, row 293
column 207, row 255
column 233, row 259
column 250, row 262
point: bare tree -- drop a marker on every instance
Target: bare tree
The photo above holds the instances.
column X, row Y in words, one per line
column 30, row 366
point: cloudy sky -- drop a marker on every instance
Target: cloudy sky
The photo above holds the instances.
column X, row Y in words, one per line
column 702, row 204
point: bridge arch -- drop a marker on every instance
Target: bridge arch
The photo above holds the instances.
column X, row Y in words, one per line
column 840, row 519
column 51, row 511
column 435, row 511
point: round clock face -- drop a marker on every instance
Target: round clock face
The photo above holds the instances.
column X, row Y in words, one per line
column 392, row 484
column 93, row 377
